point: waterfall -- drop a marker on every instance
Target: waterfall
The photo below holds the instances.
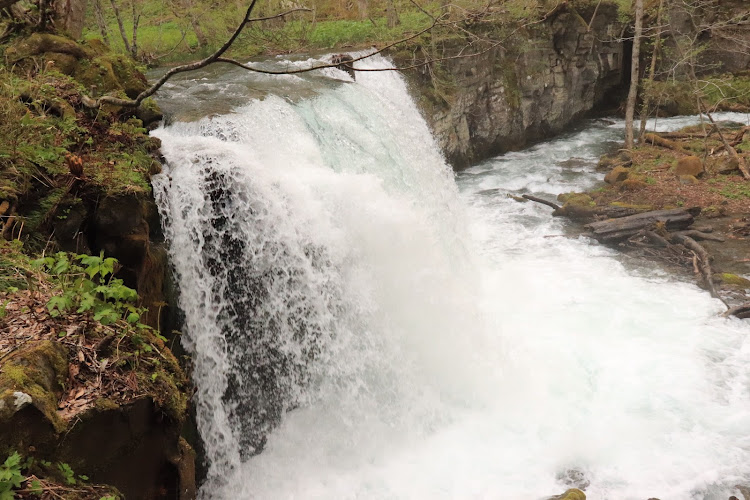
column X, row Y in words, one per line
column 363, row 326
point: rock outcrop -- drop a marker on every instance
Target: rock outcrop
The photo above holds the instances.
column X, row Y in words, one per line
column 527, row 89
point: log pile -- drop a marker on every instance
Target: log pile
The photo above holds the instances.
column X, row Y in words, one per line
column 664, row 233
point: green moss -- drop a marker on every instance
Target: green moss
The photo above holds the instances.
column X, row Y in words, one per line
column 733, row 279
column 576, row 199
column 40, row 372
column 105, row 404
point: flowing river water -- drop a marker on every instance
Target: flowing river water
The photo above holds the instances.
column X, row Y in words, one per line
column 417, row 334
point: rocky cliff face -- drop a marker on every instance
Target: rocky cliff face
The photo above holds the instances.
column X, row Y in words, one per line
column 532, row 87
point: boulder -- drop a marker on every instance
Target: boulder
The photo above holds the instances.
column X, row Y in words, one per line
column 689, row 165
column 617, row 174
column 31, row 382
column 687, row 179
column 633, row 185
column 735, row 280
column 41, row 43
column 571, row 494
column 730, row 166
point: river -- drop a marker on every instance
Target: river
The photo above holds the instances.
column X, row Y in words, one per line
column 415, row 333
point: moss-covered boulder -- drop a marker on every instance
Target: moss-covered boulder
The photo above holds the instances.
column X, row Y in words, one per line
column 734, row 280
column 571, row 494
column 39, row 44
column 617, row 174
column 634, row 184
column 689, row 165
column 31, row 382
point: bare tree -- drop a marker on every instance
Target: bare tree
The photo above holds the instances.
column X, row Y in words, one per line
column 100, row 21
column 634, row 76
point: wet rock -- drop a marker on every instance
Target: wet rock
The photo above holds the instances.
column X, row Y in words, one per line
column 734, row 280
column 344, row 63
column 571, row 494
column 687, row 179
column 149, row 113
column 506, row 97
column 689, row 165
column 574, row 478
column 744, row 491
column 617, row 174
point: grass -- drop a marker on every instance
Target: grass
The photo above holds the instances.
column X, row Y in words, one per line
column 42, row 135
column 163, row 37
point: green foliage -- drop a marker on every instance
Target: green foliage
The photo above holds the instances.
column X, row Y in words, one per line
column 736, row 191
column 68, row 475
column 86, row 283
column 10, row 476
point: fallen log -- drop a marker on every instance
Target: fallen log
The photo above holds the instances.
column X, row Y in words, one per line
column 664, row 143
column 742, row 311
column 542, row 201
column 615, row 230
column 584, row 213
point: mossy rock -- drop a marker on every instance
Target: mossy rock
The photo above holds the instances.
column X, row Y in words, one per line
column 110, row 73
column 34, row 376
column 633, row 185
column 734, row 280
column 689, row 165
column 41, row 43
column 617, row 174
column 571, row 494
column 579, row 199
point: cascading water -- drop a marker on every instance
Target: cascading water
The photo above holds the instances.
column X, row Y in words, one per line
column 380, row 330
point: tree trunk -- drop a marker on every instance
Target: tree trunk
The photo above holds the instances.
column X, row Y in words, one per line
column 647, row 101
column 392, row 14
column 100, row 21
column 634, row 76
column 136, row 20
column 70, row 16
column 199, row 35
column 120, row 25
column 362, row 7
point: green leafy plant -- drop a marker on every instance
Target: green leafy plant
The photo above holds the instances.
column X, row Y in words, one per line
column 68, row 475
column 10, row 476
column 87, row 283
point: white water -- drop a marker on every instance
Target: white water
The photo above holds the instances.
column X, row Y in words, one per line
column 444, row 341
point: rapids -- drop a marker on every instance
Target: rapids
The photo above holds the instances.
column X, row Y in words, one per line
column 416, row 334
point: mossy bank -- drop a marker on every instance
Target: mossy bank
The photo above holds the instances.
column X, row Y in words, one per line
column 87, row 379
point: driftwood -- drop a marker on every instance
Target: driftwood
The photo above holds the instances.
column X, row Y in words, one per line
column 615, row 230
column 542, row 201
column 704, row 261
column 584, row 213
column 742, row 311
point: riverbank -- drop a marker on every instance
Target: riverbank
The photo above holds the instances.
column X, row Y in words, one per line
column 686, row 169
